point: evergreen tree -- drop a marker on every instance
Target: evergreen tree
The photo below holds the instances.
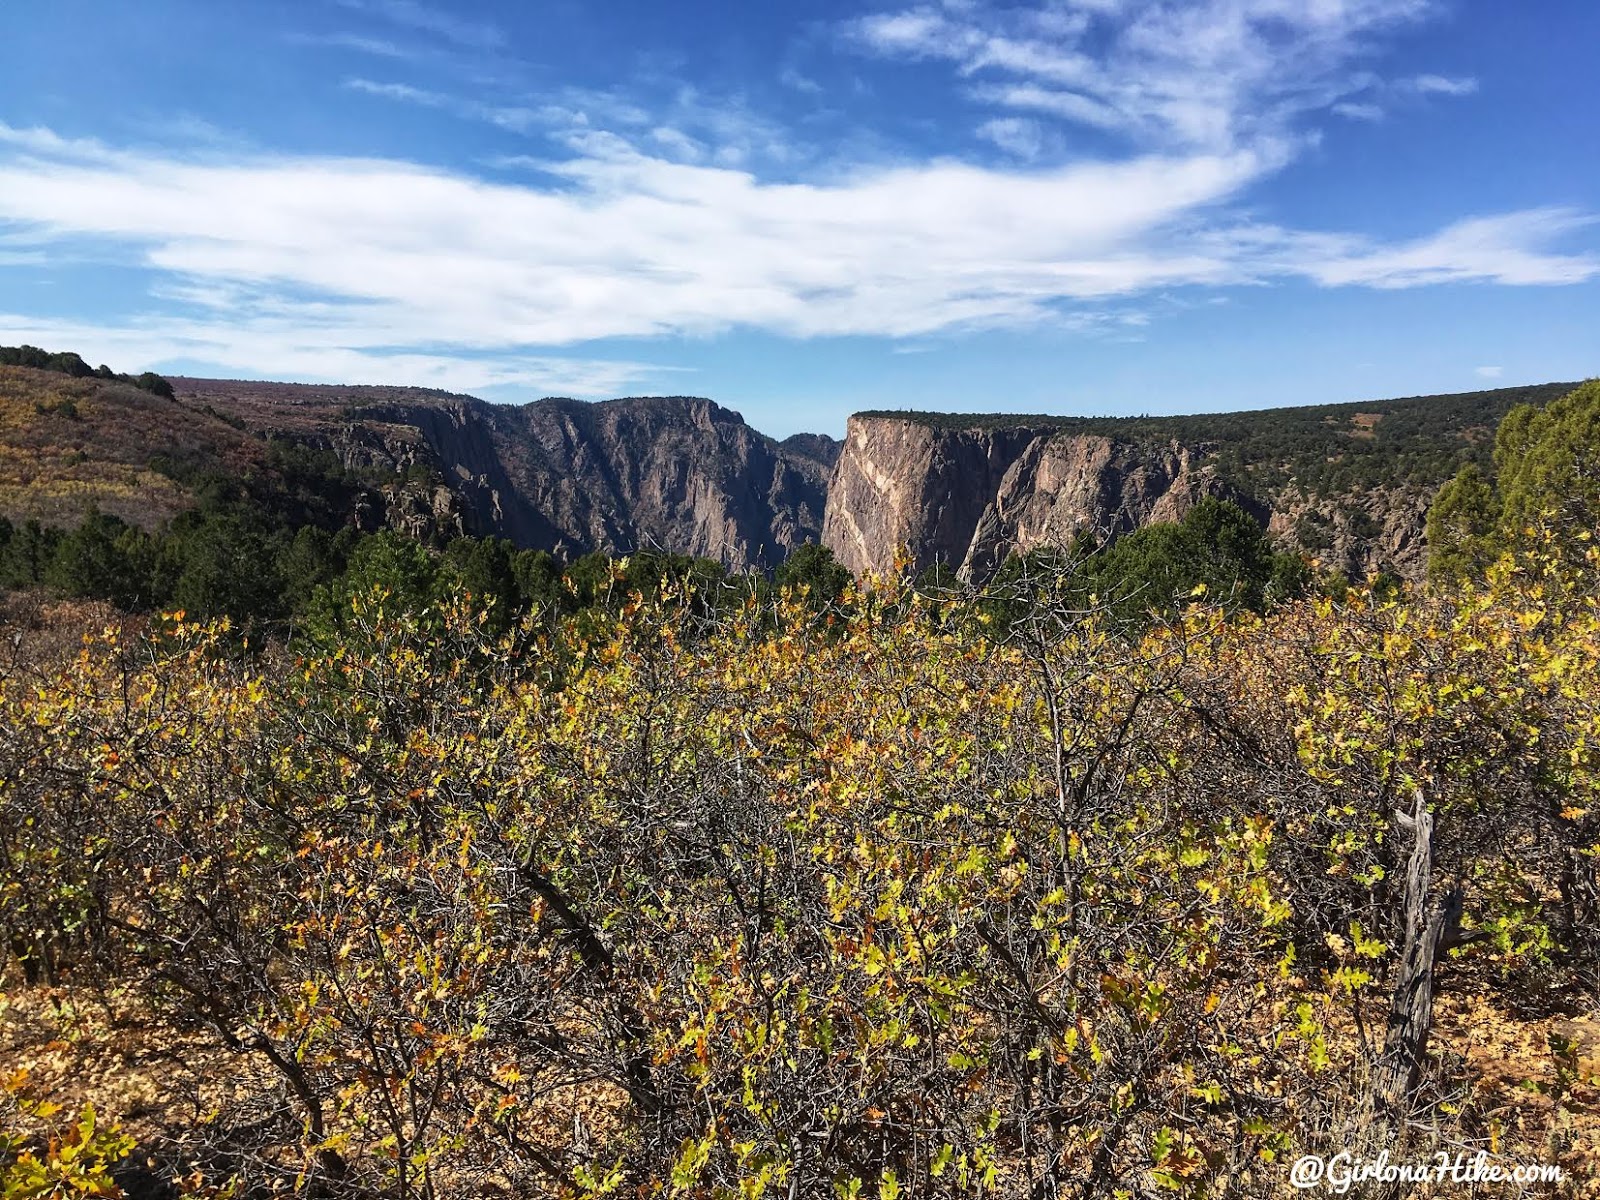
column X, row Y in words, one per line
column 1157, row 568
column 103, row 559
column 151, row 382
column 313, row 558
column 1463, row 526
column 538, row 579
column 388, row 568
column 482, row 569
column 27, row 555
column 1547, row 463
column 1547, row 472
column 228, row 566
column 813, row 567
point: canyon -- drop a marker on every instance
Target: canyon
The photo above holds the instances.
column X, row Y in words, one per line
column 1349, row 485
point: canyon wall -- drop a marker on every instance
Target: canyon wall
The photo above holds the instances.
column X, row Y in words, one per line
column 969, row 497
column 680, row 474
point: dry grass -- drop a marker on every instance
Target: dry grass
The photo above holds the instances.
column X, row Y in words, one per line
column 1364, row 425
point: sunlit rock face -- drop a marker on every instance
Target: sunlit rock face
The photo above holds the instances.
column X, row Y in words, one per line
column 970, row 497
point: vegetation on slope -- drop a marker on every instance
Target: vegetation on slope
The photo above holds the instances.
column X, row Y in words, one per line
column 1217, row 550
column 69, row 363
column 1546, row 469
column 226, row 560
column 1325, row 449
column 72, row 446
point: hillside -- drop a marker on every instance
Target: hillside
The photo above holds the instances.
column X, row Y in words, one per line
column 678, row 473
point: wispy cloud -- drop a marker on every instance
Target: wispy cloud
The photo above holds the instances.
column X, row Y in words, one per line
column 1508, row 248
column 688, row 125
column 1358, row 111
column 345, row 257
column 377, row 47
column 471, row 35
column 289, row 351
column 1211, row 74
column 1017, row 136
column 799, row 82
column 514, row 118
column 1374, row 100
column 1440, row 85
column 1488, row 372
column 667, row 212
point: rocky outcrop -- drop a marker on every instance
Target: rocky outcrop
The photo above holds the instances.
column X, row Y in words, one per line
column 1350, row 484
column 689, row 476
column 683, row 475
column 970, row 497
column 1382, row 530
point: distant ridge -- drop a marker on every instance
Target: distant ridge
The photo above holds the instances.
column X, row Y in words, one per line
column 1348, row 484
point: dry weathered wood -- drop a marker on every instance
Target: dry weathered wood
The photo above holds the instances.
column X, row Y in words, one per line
column 1432, row 925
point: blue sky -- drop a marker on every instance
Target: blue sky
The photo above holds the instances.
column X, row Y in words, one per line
column 801, row 210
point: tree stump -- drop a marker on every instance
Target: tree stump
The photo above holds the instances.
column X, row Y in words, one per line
column 1432, row 924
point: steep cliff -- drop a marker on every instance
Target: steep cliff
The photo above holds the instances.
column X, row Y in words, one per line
column 1348, row 484
column 676, row 473
column 969, row 497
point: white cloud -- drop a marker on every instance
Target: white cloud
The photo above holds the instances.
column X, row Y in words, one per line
column 306, row 352
column 1374, row 100
column 1358, row 111
column 1211, row 74
column 1071, row 106
column 692, row 126
column 1488, row 372
column 513, row 118
column 342, row 257
column 470, row 35
column 800, row 82
column 677, row 144
column 377, row 47
column 1510, row 248
column 921, row 32
column 1439, row 85
column 658, row 210
column 1015, row 135
column 47, row 142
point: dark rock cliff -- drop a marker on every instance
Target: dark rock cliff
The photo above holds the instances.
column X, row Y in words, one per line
column 1349, row 484
column 676, row 473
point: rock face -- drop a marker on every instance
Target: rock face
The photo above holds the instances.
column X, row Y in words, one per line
column 680, row 474
column 1349, row 484
column 1380, row 530
column 970, row 497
